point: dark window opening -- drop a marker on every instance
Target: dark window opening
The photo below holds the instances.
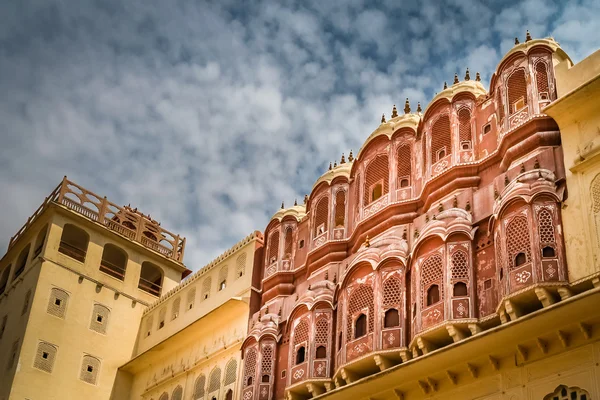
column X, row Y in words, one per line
column 340, row 341
column 114, row 261
column 487, row 284
column 249, row 381
column 520, row 259
column 283, row 374
column 433, row 295
column 74, row 242
column 45, row 355
column 441, row 154
column 392, row 318
column 90, row 368
column 229, row 395
column 99, row 318
column 300, row 355
column 57, row 302
column 501, row 273
column 150, row 279
column 465, row 145
column 21, row 261
column 414, row 311
column 360, row 326
column 548, row 252
column 265, row 379
column 161, row 324
column 301, row 245
column 403, row 183
column 487, row 129
column 321, row 352
column 223, row 285
column 460, row 289
column 376, row 192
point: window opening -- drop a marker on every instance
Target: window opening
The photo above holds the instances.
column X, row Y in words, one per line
column 321, row 353
column 433, row 295
column 548, row 252
column 391, row 319
column 360, row 326
column 300, row 355
column 520, row 259
column 376, row 191
column 460, row 289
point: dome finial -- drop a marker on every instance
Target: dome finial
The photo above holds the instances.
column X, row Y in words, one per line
column 383, row 118
column 295, row 202
column 478, row 77
column 467, row 75
column 527, row 36
column 350, row 156
column 455, row 79
column 282, row 206
column 516, row 40
column 330, row 166
column 367, row 242
column 406, row 106
column 419, row 107
column 394, row 112
column 305, row 198
column 445, row 85
column 334, row 164
column 343, row 160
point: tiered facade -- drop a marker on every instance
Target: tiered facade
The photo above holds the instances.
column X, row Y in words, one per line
column 447, row 223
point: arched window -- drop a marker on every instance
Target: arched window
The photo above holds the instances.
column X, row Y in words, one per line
column 273, row 246
column 177, row 393
column 214, row 381
column 300, row 355
column 249, row 381
column 21, row 261
column 441, row 139
column 58, row 302
column 164, row 396
column 460, row 265
column 45, row 356
column 250, row 366
column 391, row 319
column 99, row 320
column 545, row 224
column 240, row 265
column 361, row 298
column 39, row 242
column 433, row 295
column 206, row 284
column 90, row 367
column 360, row 326
column 404, row 165
column 287, row 244
column 518, row 242
column 74, row 242
column 464, row 129
column 541, row 80
column 229, row 395
column 517, row 91
column 321, row 352
column 376, row 179
column 564, row 392
column 230, row 372
column 191, row 298
column 151, row 278
column 265, row 379
column 175, row 308
column 4, row 279
column 340, row 209
column 114, row 261
column 460, row 289
column 548, row 252
column 223, row 277
column 321, row 216
column 199, row 387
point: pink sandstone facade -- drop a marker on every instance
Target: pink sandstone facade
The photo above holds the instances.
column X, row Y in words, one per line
column 447, row 223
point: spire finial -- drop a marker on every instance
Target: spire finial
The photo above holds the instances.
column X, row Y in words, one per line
column 350, row 156
column 467, row 75
column 394, row 112
column 343, row 160
column 295, row 202
column 419, row 107
column 527, row 36
column 445, row 85
column 406, row 106
column 282, row 206
column 330, row 166
column 478, row 77
column 305, row 198
column 455, row 79
column 516, row 40
column 383, row 118
column 334, row 164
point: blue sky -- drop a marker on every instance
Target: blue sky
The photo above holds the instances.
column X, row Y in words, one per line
column 208, row 114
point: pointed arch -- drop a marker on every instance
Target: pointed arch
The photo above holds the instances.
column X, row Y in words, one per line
column 464, row 129
column 517, row 91
column 376, row 179
column 404, row 165
column 322, row 216
column 441, row 138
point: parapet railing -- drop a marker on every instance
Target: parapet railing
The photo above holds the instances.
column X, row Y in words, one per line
column 123, row 220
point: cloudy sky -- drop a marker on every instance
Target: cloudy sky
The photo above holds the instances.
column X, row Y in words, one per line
column 207, row 114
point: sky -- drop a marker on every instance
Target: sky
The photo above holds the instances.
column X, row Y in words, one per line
column 208, row 114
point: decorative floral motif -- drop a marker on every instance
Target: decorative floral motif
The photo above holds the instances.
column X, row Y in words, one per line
column 376, row 206
column 263, row 391
column 440, row 166
column 248, row 395
column 391, row 338
column 523, row 276
column 299, row 373
column 461, row 309
column 550, row 271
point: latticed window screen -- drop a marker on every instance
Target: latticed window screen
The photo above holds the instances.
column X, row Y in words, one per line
column 321, row 215
column 360, row 298
column 149, row 324
column 223, row 275
column 199, row 387
column 322, row 331
column 57, row 304
column 240, row 265
column 230, row 372
column 250, row 365
column 499, row 104
column 90, row 367
column 162, row 313
column 404, row 162
column 546, row 228
column 45, row 356
column 175, row 308
column 340, row 209
column 464, row 126
column 177, row 393
column 460, row 265
column 441, row 138
column 191, row 298
column 164, row 396
column 357, row 192
column 568, row 393
column 541, row 78
column 266, row 364
column 206, row 288
column 287, row 248
column 26, row 302
column 214, row 380
column 273, row 246
column 517, row 89
column 517, row 239
column 431, row 272
column 301, row 332
column 595, row 194
column 392, row 292
column 99, row 320
column 377, row 171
